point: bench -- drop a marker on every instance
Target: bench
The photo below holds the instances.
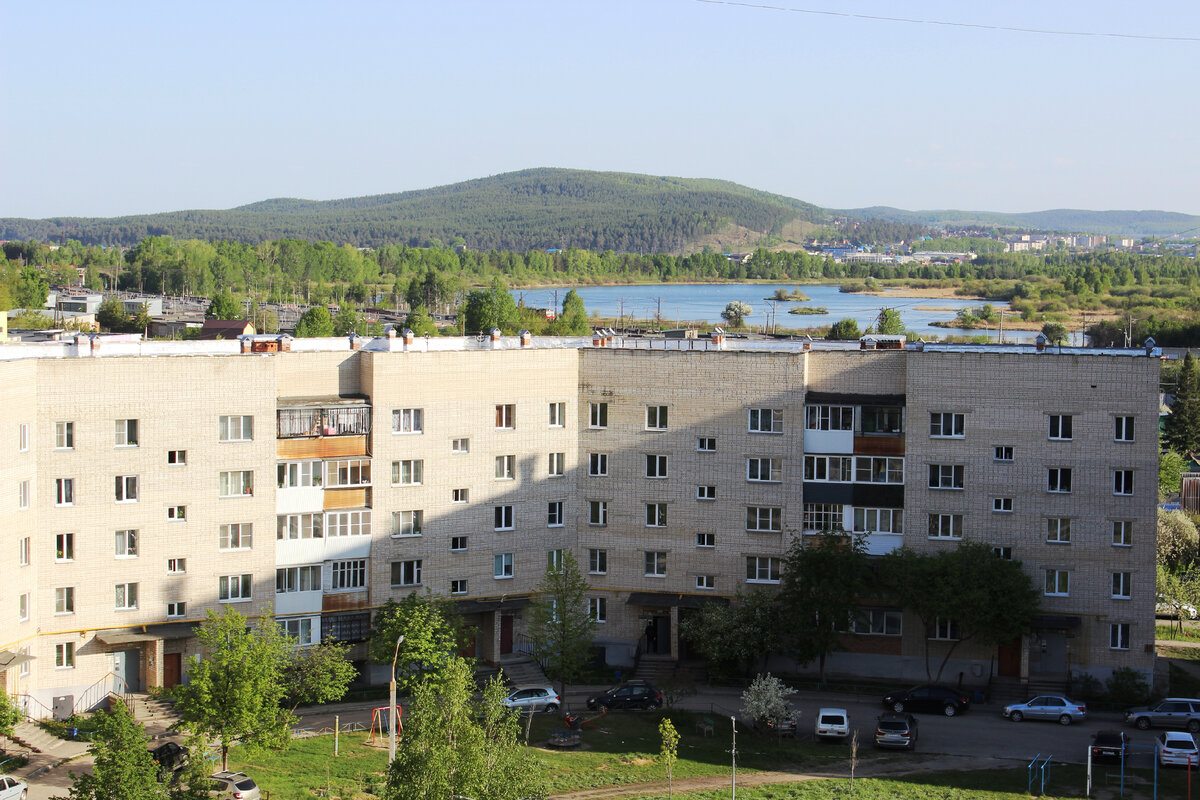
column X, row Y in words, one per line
column 705, row 724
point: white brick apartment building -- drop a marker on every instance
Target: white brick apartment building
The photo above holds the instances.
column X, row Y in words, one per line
column 145, row 483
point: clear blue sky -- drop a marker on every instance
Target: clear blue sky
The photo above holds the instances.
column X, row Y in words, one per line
column 134, row 107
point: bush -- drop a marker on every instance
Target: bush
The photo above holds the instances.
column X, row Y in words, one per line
column 1127, row 686
column 766, row 699
column 1086, row 686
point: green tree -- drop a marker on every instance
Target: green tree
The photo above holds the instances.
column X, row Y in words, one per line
column 573, row 321
column 1177, row 540
column 318, row 674
column 419, row 322
column 223, row 306
column 1055, row 333
column 433, row 633
column 235, row 689
column 347, row 321
column 142, row 320
column 670, row 750
column 560, row 624
column 1178, row 589
column 111, row 315
column 1170, row 467
column 889, row 323
column 732, row 637
column 735, row 313
column 766, row 699
column 1183, row 425
column 10, row 715
column 123, row 766
column 314, row 322
column 32, row 288
column 491, row 308
column 844, row 329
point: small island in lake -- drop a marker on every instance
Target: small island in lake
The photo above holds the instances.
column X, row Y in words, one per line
column 783, row 295
column 808, row 310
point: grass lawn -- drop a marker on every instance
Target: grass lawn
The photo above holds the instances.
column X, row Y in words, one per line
column 1171, row 631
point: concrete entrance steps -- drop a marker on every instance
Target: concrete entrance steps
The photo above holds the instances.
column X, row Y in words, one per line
column 522, row 671
column 655, row 669
column 33, row 737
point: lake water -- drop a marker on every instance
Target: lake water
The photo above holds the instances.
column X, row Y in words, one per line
column 687, row 302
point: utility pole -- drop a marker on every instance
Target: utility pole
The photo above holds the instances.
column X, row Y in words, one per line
column 733, row 754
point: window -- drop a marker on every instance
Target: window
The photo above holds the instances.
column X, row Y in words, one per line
column 868, row 469
column 23, row 495
column 407, row 523
column 298, row 579
column 408, row 420
column 655, row 563
column 236, row 484
column 1003, row 552
column 946, row 630
column 458, row 586
column 766, row 420
column 459, row 495
column 460, row 446
column 23, row 437
column 351, row 574
column 1002, row 505
column 656, row 515
column 504, row 518
column 235, row 428
column 236, row 536
column 1123, row 481
column 1123, row 429
column 300, row 629
column 1120, row 585
column 64, row 600
column 656, row 466
column 126, row 543
column 298, row 474
column 882, row 419
column 597, row 562
column 945, row 526
column 1060, row 427
column 597, row 415
column 706, row 493
column 23, row 552
column 598, row 609
column 351, row 472
column 127, row 433
column 406, row 573
column 300, row 526
column 506, row 416
column 762, row 569
column 64, row 547
column 176, row 458
column 64, row 436
column 1002, row 452
column 126, row 488
column 558, row 415
column 764, row 470
column 1118, row 636
column 554, row 561
column 598, row 465
column 177, row 609
column 126, row 596
column 234, row 588
column 822, row 517
column 829, row 469
column 23, row 607
column 1058, row 479
column 706, row 540
column 1122, row 533
column 1058, row 529
column 64, row 655
column 23, row 668
column 706, row 444
column 1058, row 583
column 558, row 465
column 597, row 512
column 879, row 520
column 176, row 566
column 410, row 472
column 945, row 476
column 764, row 518
column 554, row 514
column 877, row 622
column 944, row 425
column 506, row 468
column 706, row 581
column 458, row 544
column 347, row 523
column 829, row 418
column 502, row 565
column 656, row 418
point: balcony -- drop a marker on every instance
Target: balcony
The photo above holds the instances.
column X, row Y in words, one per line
column 308, row 427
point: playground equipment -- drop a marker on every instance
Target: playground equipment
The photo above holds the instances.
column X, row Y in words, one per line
column 577, row 722
column 379, row 726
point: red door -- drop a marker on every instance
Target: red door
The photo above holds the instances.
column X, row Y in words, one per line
column 172, row 669
column 506, row 634
column 1008, row 660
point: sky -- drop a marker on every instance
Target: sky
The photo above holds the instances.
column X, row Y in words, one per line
column 140, row 107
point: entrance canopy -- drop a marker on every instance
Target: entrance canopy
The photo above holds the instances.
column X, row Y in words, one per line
column 671, row 600
column 145, row 633
column 9, row 659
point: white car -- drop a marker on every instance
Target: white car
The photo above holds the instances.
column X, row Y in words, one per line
column 1176, row 747
column 12, row 789
column 534, row 698
column 1165, row 610
column 832, row 723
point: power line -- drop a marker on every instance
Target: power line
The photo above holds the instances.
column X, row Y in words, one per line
column 945, row 23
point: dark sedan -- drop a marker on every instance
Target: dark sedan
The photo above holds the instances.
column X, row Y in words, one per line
column 1109, row 745
column 634, row 694
column 932, row 699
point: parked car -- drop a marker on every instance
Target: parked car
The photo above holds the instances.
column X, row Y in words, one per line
column 896, row 730
column 234, row 786
column 534, row 698
column 1109, row 745
column 634, row 694
column 1047, row 706
column 786, row 725
column 1173, row 712
column 169, row 756
column 928, row 698
column 12, row 789
column 832, row 723
column 1165, row 610
column 1176, row 747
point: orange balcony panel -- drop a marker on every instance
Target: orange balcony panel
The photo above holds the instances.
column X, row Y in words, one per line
column 347, row 498
column 344, row 601
column 322, row 447
column 879, row 445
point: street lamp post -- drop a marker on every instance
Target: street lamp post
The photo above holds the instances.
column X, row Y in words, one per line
column 392, row 704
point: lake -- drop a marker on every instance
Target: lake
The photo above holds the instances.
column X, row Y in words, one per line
column 690, row 302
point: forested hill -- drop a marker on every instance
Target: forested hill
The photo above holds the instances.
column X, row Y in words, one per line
column 1113, row 223
column 518, row 211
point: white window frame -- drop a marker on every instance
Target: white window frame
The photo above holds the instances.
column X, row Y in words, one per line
column 460, row 446
column 296, row 527
column 23, row 607
column 946, row 630
column 1122, row 533
column 299, row 474
column 176, row 566
column 408, row 421
column 504, row 517
column 176, row 609
column 408, row 472
column 1123, row 428
column 1118, row 636
column 598, row 610
column 706, row 581
column 348, row 575
column 177, row 458
column 1060, row 427
column 877, row 622
column 410, row 573
column 706, row 493
column 949, row 477
column 870, row 469
column 126, row 433
column 763, row 569
column 1058, row 480
column 1121, row 585
column 764, row 470
column 657, row 417
column 23, row 498
column 235, row 428
column 64, row 655
column 947, row 425
column 555, row 514
column 64, row 600
column 764, row 420
column 348, row 523
column 1058, row 530
column 557, row 465
column 706, row 539
column 598, row 465
column 460, row 496
column 125, row 543
column 64, row 548
column 558, row 415
column 347, row 473
column 828, row 418
column 1058, row 583
column 597, row 561
column 235, row 483
column 125, row 597
column 829, row 469
column 458, row 586
column 64, row 435
column 235, row 536
column 764, row 519
column 23, row 437
column 502, row 566
column 506, row 468
column 654, row 563
column 598, row 513
column 306, row 578
column 598, row 416
column 656, row 515
column 824, row 517
column 878, row 520
column 706, row 444
column 176, row 513
column 305, row 630
column 125, row 488
column 946, row 526
column 459, row 544
column 506, row 416
column 1002, row 505
column 1123, row 482
column 656, row 466
column 408, row 523
column 555, row 559
column 1003, row 453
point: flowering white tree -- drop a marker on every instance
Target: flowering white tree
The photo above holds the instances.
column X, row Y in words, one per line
column 766, row 699
column 736, row 312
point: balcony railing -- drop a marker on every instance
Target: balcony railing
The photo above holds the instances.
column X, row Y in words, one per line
column 298, row 423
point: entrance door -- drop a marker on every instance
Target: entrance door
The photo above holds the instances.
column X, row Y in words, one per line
column 126, row 666
column 506, row 634
column 172, row 669
column 1008, row 660
column 658, row 636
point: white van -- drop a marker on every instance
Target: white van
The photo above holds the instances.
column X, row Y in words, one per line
column 832, row 723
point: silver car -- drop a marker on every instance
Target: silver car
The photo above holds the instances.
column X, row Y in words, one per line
column 534, row 698
column 12, row 789
column 234, row 786
column 1047, row 706
column 1173, row 712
